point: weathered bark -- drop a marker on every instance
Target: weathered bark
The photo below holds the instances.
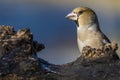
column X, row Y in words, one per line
column 18, row 60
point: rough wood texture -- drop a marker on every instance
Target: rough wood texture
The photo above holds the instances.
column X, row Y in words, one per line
column 18, row 60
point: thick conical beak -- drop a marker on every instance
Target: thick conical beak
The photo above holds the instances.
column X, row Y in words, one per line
column 72, row 16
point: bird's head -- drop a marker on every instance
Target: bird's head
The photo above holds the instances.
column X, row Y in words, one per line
column 82, row 16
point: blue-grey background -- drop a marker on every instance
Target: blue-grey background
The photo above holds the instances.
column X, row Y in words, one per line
column 46, row 19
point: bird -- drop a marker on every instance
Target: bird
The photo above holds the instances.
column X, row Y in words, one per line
column 88, row 29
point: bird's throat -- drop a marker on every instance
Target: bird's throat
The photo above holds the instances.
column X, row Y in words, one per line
column 77, row 23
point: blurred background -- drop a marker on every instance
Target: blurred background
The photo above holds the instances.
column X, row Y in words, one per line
column 46, row 19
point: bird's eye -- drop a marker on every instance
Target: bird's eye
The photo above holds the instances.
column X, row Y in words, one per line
column 80, row 12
